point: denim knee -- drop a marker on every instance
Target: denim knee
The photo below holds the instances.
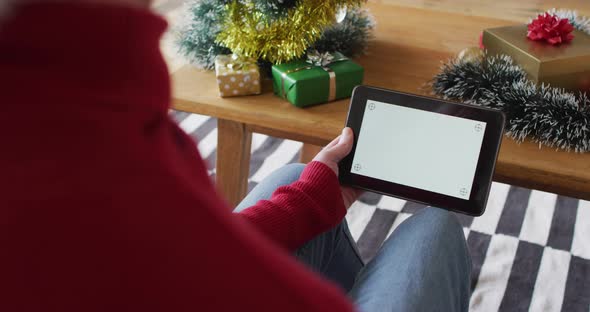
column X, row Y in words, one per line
column 440, row 220
column 423, row 266
column 439, row 224
column 433, row 228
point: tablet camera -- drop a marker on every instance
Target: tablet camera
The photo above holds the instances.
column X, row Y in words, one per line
column 357, row 167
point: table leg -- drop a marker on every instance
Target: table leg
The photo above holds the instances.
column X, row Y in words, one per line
column 308, row 152
column 233, row 160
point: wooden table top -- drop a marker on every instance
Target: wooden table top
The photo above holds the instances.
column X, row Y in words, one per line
column 406, row 53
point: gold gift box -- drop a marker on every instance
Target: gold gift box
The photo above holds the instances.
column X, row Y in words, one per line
column 236, row 77
column 564, row 66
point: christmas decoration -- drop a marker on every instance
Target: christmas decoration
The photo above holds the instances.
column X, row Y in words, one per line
column 236, row 75
column 341, row 13
column 470, row 54
column 199, row 31
column 549, row 116
column 580, row 23
column 349, row 37
column 274, row 8
column 550, row 28
column 565, row 65
column 248, row 32
column 272, row 31
column 322, row 77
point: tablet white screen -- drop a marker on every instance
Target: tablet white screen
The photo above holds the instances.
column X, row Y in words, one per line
column 420, row 149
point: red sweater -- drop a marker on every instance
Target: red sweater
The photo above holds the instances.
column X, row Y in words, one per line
column 105, row 204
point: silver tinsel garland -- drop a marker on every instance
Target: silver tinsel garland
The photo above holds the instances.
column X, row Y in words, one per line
column 549, row 116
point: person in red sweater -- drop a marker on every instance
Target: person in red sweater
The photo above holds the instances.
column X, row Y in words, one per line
column 106, row 205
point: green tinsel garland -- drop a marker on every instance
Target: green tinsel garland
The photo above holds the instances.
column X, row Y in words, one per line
column 549, row 116
column 197, row 37
column 349, row 37
column 274, row 8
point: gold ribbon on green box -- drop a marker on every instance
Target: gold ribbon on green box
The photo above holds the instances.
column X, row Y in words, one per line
column 321, row 77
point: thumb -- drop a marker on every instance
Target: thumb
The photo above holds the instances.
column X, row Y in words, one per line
column 338, row 151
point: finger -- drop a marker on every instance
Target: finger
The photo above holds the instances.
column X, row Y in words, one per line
column 343, row 147
column 346, row 135
column 333, row 143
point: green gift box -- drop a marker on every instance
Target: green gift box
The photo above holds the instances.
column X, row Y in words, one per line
column 319, row 79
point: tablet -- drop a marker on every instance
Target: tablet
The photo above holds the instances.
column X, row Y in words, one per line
column 422, row 149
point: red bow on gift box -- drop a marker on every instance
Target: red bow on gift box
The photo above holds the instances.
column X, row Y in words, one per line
column 550, row 28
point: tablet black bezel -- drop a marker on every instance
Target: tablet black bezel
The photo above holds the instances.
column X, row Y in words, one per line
column 485, row 165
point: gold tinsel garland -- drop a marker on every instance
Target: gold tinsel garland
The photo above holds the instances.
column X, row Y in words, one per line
column 250, row 33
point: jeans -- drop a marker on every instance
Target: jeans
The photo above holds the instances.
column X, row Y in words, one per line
column 423, row 266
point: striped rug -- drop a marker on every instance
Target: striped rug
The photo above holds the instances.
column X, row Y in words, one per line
column 530, row 250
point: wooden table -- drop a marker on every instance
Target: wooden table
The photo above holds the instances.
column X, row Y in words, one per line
column 407, row 51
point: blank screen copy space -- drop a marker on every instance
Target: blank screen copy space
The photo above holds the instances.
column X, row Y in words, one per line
column 420, row 149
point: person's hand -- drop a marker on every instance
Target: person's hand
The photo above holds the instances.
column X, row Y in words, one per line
column 332, row 153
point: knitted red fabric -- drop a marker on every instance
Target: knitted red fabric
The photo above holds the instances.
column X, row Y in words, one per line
column 105, row 204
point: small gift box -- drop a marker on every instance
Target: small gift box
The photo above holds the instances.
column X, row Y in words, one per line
column 318, row 79
column 560, row 63
column 237, row 76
